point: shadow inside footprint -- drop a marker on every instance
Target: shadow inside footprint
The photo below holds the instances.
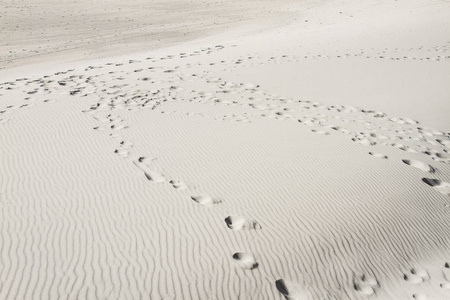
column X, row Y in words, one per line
column 178, row 184
column 292, row 291
column 150, row 174
column 240, row 222
column 431, row 182
column 446, row 272
column 245, row 260
column 281, row 287
column 205, row 200
column 419, row 165
column 378, row 155
column 439, row 185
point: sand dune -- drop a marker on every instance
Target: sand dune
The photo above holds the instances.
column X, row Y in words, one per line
column 33, row 31
column 235, row 166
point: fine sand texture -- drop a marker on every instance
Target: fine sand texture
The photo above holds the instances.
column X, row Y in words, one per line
column 62, row 30
column 303, row 156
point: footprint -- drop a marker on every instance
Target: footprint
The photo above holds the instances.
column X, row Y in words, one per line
column 118, row 127
column 369, row 280
column 366, row 285
column 364, row 141
column 245, row 260
column 320, row 131
column 420, row 296
column 365, row 289
column 240, row 222
column 419, row 165
column 442, row 155
column 126, row 144
column 121, row 152
column 441, row 186
column 416, row 275
column 445, row 286
column 446, row 271
column 149, row 174
column 403, row 148
column 290, row 290
column 206, row 200
column 178, row 184
column 445, row 143
column 379, row 155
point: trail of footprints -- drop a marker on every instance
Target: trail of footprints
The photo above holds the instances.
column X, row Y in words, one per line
column 417, row 276
column 115, row 124
column 366, row 285
column 171, row 84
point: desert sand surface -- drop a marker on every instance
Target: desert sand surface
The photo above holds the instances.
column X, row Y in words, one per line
column 34, row 30
column 258, row 150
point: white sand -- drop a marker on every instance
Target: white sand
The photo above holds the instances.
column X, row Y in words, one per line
column 282, row 159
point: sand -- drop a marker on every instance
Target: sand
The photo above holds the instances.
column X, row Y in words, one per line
column 302, row 153
column 57, row 31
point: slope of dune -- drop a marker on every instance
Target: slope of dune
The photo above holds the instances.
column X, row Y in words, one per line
column 33, row 31
column 308, row 159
